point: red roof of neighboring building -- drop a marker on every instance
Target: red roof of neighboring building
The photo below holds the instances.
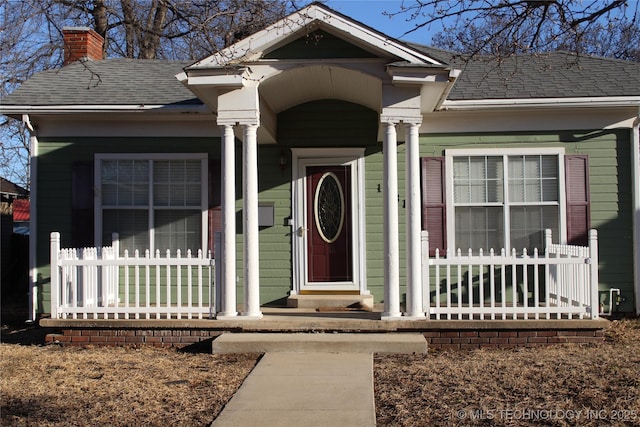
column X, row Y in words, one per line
column 21, row 210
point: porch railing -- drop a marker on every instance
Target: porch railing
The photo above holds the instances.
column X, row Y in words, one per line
column 559, row 283
column 98, row 283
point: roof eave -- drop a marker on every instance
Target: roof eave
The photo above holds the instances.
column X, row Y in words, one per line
column 11, row 110
column 532, row 103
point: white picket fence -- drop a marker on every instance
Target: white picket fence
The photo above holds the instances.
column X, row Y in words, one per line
column 98, row 283
column 559, row 283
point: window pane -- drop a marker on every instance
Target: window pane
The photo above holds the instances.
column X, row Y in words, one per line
column 141, row 194
column 549, row 166
column 479, row 228
column 549, row 178
column 528, row 224
column 461, row 179
column 109, row 171
column 515, row 165
column 477, row 183
column 109, row 194
column 494, row 179
column 177, row 229
column 549, row 190
column 532, row 175
column 176, row 183
column 125, row 182
column 192, row 183
column 109, row 177
column 477, row 179
column 132, row 225
column 533, row 179
column 161, row 181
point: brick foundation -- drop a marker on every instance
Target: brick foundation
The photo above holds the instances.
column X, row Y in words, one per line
column 469, row 340
column 177, row 338
column 443, row 339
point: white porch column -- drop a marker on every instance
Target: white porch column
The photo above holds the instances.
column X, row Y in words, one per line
column 250, row 223
column 228, row 305
column 635, row 173
column 413, row 226
column 33, row 222
column 390, row 201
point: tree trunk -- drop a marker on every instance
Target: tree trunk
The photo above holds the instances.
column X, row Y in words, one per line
column 101, row 22
column 150, row 41
column 129, row 20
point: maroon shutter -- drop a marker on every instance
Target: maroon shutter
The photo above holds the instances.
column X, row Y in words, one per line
column 82, row 204
column 578, row 200
column 434, row 203
column 215, row 210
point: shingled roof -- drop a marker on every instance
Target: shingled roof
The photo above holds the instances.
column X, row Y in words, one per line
column 106, row 82
column 8, row 187
column 153, row 82
column 545, row 75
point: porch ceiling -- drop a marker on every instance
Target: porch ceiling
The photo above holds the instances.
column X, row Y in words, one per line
column 298, row 85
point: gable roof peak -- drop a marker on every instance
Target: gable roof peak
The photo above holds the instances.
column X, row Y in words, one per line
column 312, row 17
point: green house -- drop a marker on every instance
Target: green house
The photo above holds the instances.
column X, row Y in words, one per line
column 321, row 151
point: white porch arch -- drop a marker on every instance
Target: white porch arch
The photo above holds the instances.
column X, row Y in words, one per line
column 243, row 87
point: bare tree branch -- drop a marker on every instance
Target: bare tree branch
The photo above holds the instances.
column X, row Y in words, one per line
column 479, row 27
column 174, row 29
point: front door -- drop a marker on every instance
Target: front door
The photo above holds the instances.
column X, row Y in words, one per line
column 328, row 218
column 329, row 239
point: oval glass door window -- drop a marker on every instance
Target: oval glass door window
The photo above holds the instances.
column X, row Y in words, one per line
column 328, row 207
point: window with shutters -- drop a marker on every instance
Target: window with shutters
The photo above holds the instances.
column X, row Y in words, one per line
column 504, row 198
column 155, row 202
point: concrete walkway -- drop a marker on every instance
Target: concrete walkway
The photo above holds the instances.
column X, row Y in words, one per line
column 321, row 342
column 305, row 389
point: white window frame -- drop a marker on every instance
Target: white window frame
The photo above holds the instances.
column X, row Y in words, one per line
column 204, row 194
column 450, row 154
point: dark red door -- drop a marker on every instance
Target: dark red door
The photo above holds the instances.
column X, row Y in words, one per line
column 329, row 251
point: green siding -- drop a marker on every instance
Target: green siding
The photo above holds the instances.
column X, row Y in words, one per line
column 327, row 123
column 331, row 123
column 275, row 241
column 610, row 189
column 318, row 45
column 54, row 185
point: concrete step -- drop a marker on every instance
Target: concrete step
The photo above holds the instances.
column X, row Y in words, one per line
column 325, row 302
column 320, row 342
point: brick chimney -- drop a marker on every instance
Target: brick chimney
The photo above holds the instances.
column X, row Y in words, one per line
column 81, row 43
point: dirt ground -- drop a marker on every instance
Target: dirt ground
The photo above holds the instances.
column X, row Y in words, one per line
column 562, row 385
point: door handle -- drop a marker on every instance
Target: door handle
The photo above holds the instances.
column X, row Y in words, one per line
column 301, row 231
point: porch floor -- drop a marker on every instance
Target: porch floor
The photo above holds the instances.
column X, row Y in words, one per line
column 285, row 319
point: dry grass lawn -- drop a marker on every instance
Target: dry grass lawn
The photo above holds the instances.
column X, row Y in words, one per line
column 560, row 385
column 54, row 386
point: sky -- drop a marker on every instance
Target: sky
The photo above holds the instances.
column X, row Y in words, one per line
column 370, row 12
